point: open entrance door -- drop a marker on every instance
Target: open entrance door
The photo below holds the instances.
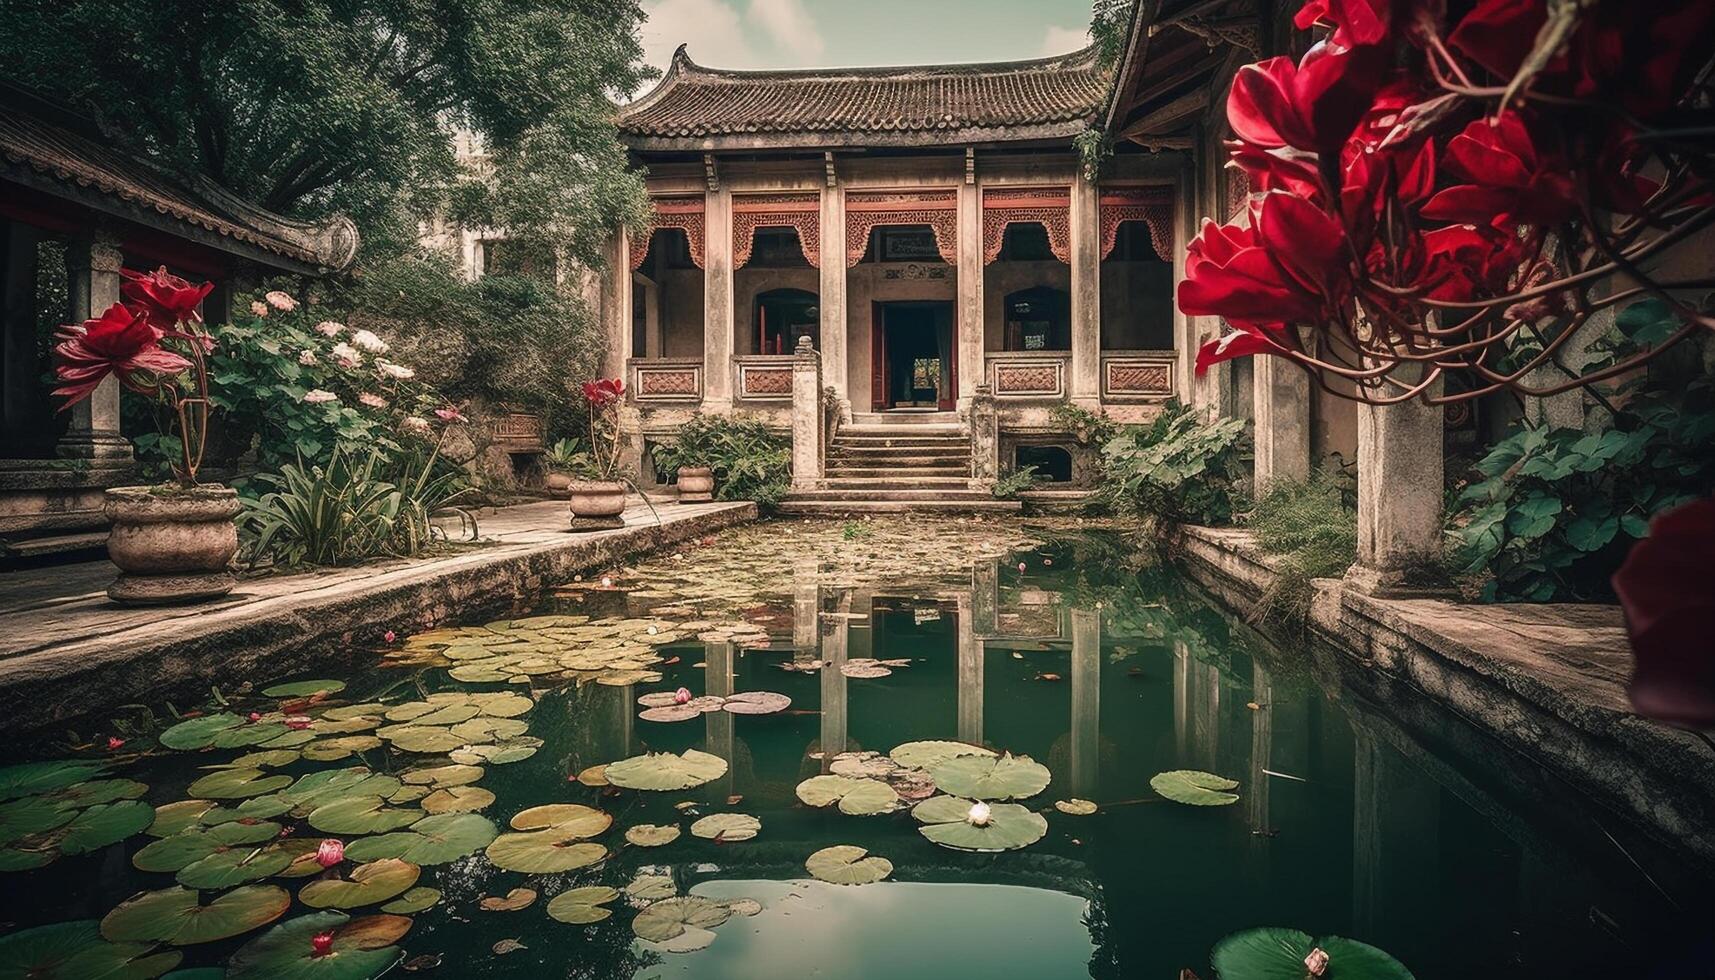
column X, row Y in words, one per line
column 913, row 363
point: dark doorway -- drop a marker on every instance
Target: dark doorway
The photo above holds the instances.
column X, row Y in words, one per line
column 912, row 356
column 784, row 315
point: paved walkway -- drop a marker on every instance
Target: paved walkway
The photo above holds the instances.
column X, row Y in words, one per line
column 63, row 645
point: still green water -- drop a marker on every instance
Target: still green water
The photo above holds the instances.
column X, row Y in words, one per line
column 1363, row 811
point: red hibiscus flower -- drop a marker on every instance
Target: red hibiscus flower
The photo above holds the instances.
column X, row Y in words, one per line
column 1667, row 592
column 1511, row 179
column 162, row 298
column 1311, row 105
column 1288, row 266
column 603, row 392
column 1238, row 343
column 1498, row 34
column 1354, row 21
column 120, row 342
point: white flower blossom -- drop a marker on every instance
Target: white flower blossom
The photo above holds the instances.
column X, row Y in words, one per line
column 372, row 400
column 307, row 358
column 280, row 301
column 317, row 396
column 369, row 342
column 346, row 355
column 329, row 328
column 417, row 424
column 398, row 372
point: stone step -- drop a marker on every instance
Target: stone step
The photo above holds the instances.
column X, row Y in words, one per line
column 894, row 472
column 902, row 482
column 938, row 431
column 835, row 493
column 59, row 544
column 903, row 460
column 879, row 443
column 894, row 419
column 827, row 508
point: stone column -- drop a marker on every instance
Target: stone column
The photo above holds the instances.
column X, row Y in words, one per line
column 985, row 439
column 1399, row 493
column 1086, row 257
column 1086, row 700
column 616, row 307
column 970, row 674
column 93, row 267
column 1282, row 412
column 968, row 331
column 22, row 394
column 717, row 301
column 807, row 428
column 832, row 299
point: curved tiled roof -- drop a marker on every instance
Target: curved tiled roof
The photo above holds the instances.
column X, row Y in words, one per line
column 697, row 107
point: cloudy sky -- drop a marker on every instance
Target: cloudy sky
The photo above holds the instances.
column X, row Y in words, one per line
column 822, row 33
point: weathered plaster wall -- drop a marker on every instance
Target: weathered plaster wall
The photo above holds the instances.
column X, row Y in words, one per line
column 681, row 294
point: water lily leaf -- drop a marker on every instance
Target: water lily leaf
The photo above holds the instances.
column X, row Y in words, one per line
column 457, row 799
column 508, row 946
column 863, row 765
column 856, row 797
column 235, row 866
column 979, row 777
column 543, row 852
column 192, row 845
column 369, row 884
column 431, row 840
column 236, row 784
column 318, row 788
column 285, row 952
column 1075, row 807
column 265, row 759
column 594, row 776
column 924, row 755
column 581, row 906
column 345, row 712
column 362, row 815
column 512, row 901
column 421, row 738
column 756, row 703
column 664, row 771
column 335, row 749
column 504, row 705
column 681, row 925
column 453, row 704
column 76, row 951
column 290, row 740
column 199, row 733
column 174, row 916
column 947, row 821
column 107, row 823
column 370, row 932
column 99, row 791
column 1278, row 954
column 32, row 815
column 726, row 827
column 303, row 689
column 346, row 726
column 500, row 753
column 652, row 835
column 478, row 730
column 34, row 778
column 250, row 733
column 846, row 864
column 1194, row 788
column 413, row 901
column 570, row 819
column 743, row 906
column 254, row 809
column 670, row 713
column 441, row 777
column 302, row 851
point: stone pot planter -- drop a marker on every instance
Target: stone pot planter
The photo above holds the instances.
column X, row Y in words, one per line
column 558, row 485
column 172, row 546
column 696, row 484
column 596, row 504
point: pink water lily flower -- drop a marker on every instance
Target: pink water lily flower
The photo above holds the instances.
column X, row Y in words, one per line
column 114, row 742
column 389, row 636
column 321, row 944
column 682, row 696
column 330, row 852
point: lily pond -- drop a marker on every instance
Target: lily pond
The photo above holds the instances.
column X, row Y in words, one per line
column 812, row 749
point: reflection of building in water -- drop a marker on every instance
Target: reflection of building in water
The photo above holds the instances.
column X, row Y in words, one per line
column 718, row 730
column 1196, row 710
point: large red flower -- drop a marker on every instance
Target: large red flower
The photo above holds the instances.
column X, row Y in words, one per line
column 164, row 299
column 1289, row 265
column 1311, row 105
column 1667, row 591
column 119, row 342
column 1238, row 343
column 1354, row 21
column 1510, row 179
column 603, row 392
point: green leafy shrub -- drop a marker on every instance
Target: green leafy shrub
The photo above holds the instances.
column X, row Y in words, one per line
column 1087, row 427
column 345, row 511
column 1312, row 532
column 1180, row 468
column 750, row 460
column 1013, row 483
column 1552, row 512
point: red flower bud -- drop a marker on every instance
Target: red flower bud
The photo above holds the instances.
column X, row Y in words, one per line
column 330, row 852
column 321, row 944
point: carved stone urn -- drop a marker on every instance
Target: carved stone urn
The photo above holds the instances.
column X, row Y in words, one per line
column 172, row 545
column 696, row 484
column 596, row 504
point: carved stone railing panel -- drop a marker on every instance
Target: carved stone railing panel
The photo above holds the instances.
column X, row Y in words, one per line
column 763, row 377
column 678, row 379
column 1139, row 376
column 519, row 432
column 1028, row 375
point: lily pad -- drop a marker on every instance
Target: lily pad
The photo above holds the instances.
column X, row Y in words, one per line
column 950, row 822
column 581, row 906
column 500, row 753
column 670, row 713
column 343, row 747
column 570, row 819
column 235, row 866
column 265, row 759
column 856, row 797
column 32, row 815
column 442, row 777
column 664, row 771
column 303, row 689
column 413, row 901
column 237, row 784
column 199, row 733
column 250, row 733
column 725, row 828
column 329, row 785
column 923, row 755
column 362, row 815
column 431, row 840
column 651, row 888
column 1279, row 954
column 34, row 778
column 108, row 823
column 979, row 777
column 422, row 738
column 174, row 916
column 756, row 703
column 286, row 952
column 98, row 791
column 1195, row 788
column 652, row 835
column 377, row 881
column 512, row 901
column 680, row 925
column 76, row 951
column 457, row 799
column 187, row 847
column 1075, row 807
column 846, row 864
column 543, row 852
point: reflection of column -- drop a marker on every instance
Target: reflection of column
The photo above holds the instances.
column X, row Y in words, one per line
column 1395, row 843
column 1086, row 700
column 985, row 596
column 1196, row 709
column 717, row 734
column 717, row 300
column 1262, row 749
column 833, row 296
column 834, row 719
column 970, row 676
column 806, row 610
column 969, row 328
column 1181, row 699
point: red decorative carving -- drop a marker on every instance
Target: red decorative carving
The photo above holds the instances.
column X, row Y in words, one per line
column 1026, row 379
column 1138, row 379
column 1151, row 205
column 667, row 383
column 1051, row 207
column 766, row 382
column 867, row 210
column 800, row 212
column 684, row 213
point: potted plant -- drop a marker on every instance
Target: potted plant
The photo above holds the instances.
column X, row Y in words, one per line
column 690, row 461
column 564, row 459
column 598, row 501
column 696, row 484
column 173, row 543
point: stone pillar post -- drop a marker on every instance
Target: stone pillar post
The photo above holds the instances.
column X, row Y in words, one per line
column 832, row 299
column 93, row 265
column 22, row 395
column 1282, row 413
column 970, row 673
column 616, row 307
column 1086, row 700
column 968, row 330
column 1086, row 256
column 1399, row 493
column 717, row 301
column 807, row 427
column 985, row 439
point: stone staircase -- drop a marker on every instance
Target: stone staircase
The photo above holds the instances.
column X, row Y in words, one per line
column 897, row 462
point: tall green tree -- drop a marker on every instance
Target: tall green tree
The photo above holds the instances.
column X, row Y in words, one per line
column 311, row 106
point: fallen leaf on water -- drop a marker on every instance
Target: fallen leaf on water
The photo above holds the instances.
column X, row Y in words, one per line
column 514, row 900
column 734, row 799
column 670, row 661
column 1253, row 706
column 422, row 961
column 508, row 946
column 1047, row 677
column 1134, row 672
column 684, row 804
